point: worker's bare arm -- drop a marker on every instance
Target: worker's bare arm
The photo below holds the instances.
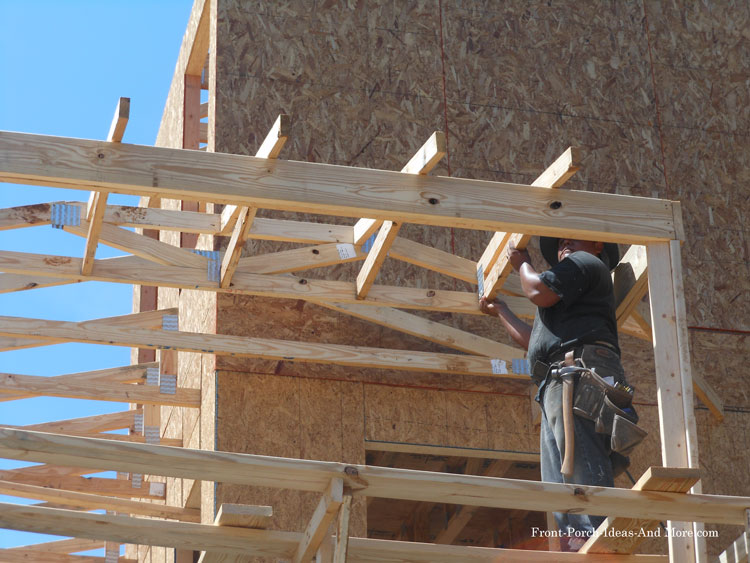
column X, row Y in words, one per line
column 533, row 287
column 519, row 331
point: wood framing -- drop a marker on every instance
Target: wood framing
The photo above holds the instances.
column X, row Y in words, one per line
column 334, row 190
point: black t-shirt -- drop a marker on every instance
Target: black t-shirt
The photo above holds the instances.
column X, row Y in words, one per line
column 586, row 308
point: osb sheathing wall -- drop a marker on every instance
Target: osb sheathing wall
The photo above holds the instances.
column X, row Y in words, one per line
column 655, row 94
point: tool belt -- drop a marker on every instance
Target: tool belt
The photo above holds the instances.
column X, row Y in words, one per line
column 601, row 395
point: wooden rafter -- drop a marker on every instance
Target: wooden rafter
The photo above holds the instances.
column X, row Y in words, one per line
column 132, row 269
column 234, row 345
column 366, row 480
column 322, row 517
column 264, row 543
column 334, row 190
column 494, row 262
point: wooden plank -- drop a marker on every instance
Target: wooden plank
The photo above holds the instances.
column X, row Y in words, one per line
column 270, row 148
column 73, row 545
column 385, row 482
column 375, row 257
column 334, row 190
column 88, row 501
column 19, row 282
column 93, row 485
column 97, row 391
column 434, row 259
column 299, row 259
column 244, row 516
column 132, row 269
column 27, row 555
column 143, row 246
column 321, row 519
column 93, row 229
column 429, row 330
column 423, row 161
column 197, row 38
column 341, row 551
column 119, row 121
column 738, row 552
column 261, row 543
column 673, row 384
column 236, row 242
column 630, row 281
column 494, row 261
column 96, row 423
column 238, row 346
column 624, row 535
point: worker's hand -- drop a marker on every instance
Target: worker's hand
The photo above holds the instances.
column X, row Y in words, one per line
column 491, row 307
column 517, row 257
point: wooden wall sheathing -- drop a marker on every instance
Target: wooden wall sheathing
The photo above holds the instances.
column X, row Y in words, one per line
column 364, row 83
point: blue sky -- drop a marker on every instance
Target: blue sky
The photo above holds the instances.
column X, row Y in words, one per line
column 64, row 66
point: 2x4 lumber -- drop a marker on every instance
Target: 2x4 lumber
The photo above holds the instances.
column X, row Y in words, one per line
column 429, row 330
column 96, row 423
column 333, row 190
column 94, row 227
column 132, row 269
column 236, row 242
column 97, row 391
column 18, row 282
column 297, row 259
column 262, row 543
column 624, row 535
column 244, row 516
column 270, row 148
column 93, row 485
column 423, row 161
column 385, row 482
column 197, row 38
column 143, row 246
column 119, row 121
column 239, row 346
column 738, row 552
column 177, row 442
column 125, row 374
column 72, row 545
column 317, row 528
column 26, row 555
column 341, row 551
column 434, row 259
column 673, row 380
column 494, row 261
column 88, row 501
column 375, row 257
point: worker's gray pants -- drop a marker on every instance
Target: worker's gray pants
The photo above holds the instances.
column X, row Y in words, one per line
column 592, row 465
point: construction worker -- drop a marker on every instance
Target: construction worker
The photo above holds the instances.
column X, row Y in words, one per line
column 575, row 312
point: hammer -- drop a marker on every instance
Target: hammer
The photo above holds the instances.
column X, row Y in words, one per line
column 568, row 422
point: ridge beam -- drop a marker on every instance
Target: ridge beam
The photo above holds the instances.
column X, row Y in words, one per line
column 494, row 263
column 423, row 161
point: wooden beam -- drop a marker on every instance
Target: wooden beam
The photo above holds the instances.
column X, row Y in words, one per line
column 423, row 161
column 322, row 517
column 299, row 259
column 366, row 480
column 93, row 485
column 624, row 535
column 87, row 501
column 429, row 330
column 119, row 121
column 96, row 423
column 132, row 269
column 95, row 217
column 673, row 379
column 73, row 545
column 434, row 259
column 341, row 551
column 376, row 257
column 738, row 552
column 244, row 516
column 333, row 190
column 270, row 148
column 236, row 243
column 26, row 555
column 97, row 391
column 197, row 37
column 263, row 543
column 224, row 344
column 494, row 262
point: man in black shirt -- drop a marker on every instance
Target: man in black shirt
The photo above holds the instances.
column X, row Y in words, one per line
column 575, row 307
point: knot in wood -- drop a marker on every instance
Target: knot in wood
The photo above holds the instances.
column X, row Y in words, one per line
column 353, row 478
column 302, row 281
column 579, row 492
column 431, row 293
column 555, row 205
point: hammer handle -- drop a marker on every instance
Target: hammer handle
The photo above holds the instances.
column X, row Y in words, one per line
column 568, row 425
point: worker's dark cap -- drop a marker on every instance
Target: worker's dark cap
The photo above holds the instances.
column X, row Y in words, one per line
column 548, row 246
